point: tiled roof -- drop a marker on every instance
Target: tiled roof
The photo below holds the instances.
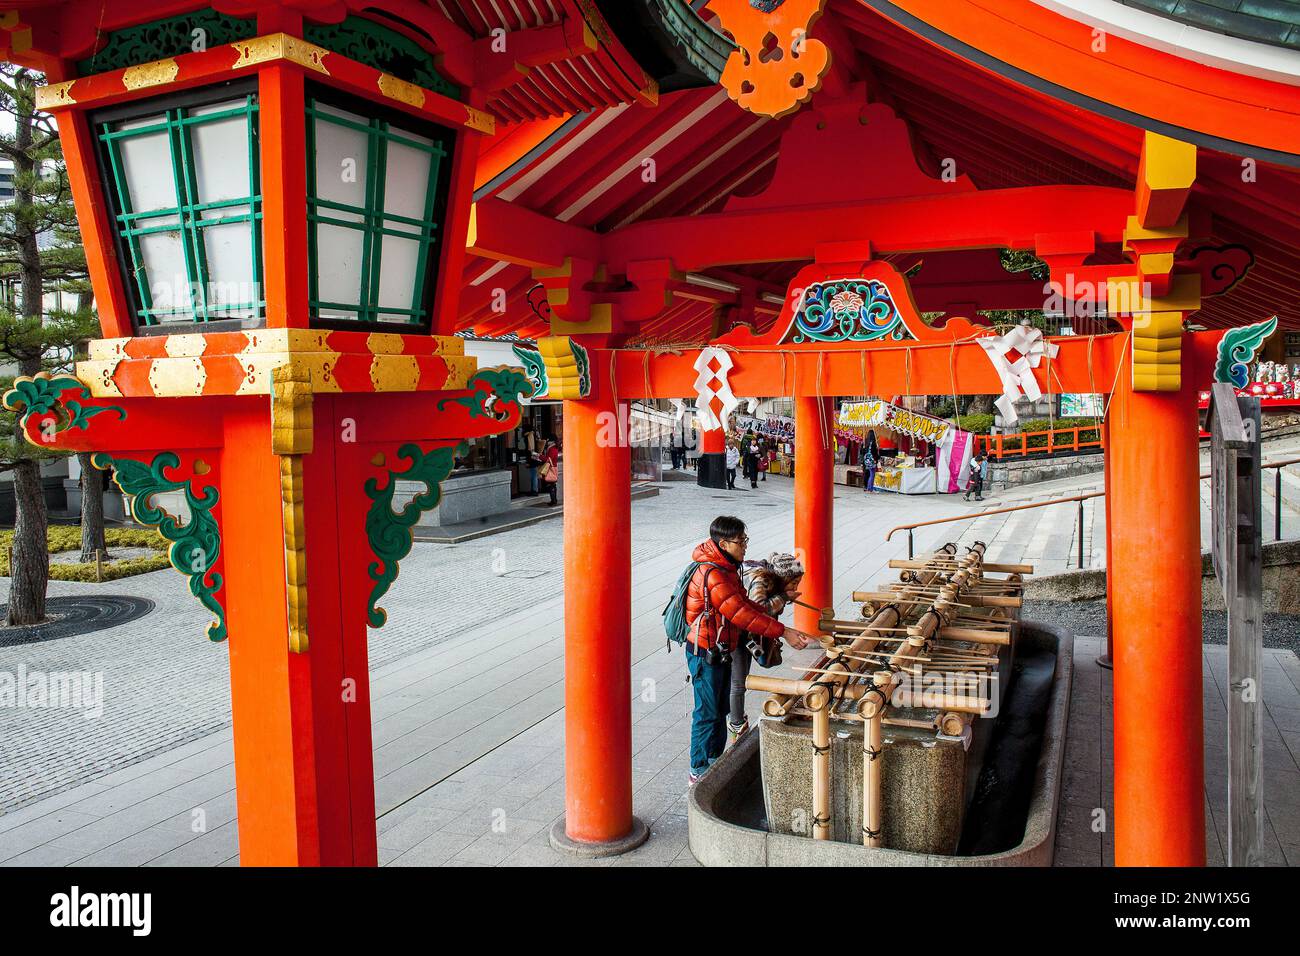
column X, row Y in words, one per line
column 1266, row 21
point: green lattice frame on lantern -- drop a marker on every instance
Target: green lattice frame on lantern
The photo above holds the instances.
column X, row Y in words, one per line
column 190, row 213
column 375, row 222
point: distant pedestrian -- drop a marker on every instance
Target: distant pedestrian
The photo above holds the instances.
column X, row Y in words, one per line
column 550, row 468
column 532, row 455
column 870, row 461
column 750, row 454
column 975, row 472
column 733, row 459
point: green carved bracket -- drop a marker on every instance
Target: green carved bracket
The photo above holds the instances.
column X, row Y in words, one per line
column 493, row 390
column 44, row 394
column 390, row 532
column 1237, row 349
column 196, row 545
column 534, row 369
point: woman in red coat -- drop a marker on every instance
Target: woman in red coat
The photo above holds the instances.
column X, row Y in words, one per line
column 550, row 468
column 719, row 612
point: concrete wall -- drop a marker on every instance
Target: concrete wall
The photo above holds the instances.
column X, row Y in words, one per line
column 1281, row 582
column 1011, row 472
column 475, row 494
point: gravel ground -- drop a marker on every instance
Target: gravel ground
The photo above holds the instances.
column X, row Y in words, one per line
column 1088, row 618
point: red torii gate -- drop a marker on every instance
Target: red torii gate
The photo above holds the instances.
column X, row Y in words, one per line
column 1153, row 553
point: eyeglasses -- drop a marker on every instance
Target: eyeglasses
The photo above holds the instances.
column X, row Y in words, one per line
column 743, row 539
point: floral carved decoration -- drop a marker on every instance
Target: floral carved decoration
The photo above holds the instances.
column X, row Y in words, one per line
column 196, row 543
column 390, row 532
column 848, row 310
column 494, row 392
column 42, row 394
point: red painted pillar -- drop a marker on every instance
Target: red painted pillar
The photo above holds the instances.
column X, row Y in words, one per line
column 303, row 762
column 813, row 504
column 1108, row 658
column 598, row 627
column 1155, row 566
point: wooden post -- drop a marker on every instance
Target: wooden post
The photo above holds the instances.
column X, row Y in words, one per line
column 711, row 471
column 304, row 768
column 1155, row 573
column 1106, row 659
column 813, row 504
column 872, row 709
column 598, row 818
column 1234, row 425
column 819, row 702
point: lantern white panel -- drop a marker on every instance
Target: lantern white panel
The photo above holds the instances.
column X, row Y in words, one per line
column 397, row 274
column 147, row 164
column 338, row 264
column 407, row 184
column 230, row 269
column 163, row 255
column 221, row 155
column 341, row 159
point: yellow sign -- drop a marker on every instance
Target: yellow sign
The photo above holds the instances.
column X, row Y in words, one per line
column 877, row 413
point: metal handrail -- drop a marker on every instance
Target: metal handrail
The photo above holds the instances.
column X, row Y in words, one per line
column 1277, row 509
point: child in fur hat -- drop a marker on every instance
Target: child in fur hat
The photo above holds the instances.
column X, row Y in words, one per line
column 773, row 583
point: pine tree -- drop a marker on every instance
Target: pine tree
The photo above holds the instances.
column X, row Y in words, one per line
column 40, row 253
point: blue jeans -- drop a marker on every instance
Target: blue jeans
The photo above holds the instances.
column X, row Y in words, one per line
column 712, row 686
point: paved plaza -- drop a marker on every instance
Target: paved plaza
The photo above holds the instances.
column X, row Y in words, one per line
column 467, row 696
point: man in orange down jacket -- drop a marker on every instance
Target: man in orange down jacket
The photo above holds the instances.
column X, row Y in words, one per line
column 719, row 612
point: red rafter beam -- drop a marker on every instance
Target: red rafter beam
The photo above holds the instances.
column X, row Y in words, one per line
column 1008, row 218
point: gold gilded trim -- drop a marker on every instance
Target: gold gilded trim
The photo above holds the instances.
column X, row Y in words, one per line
column 55, row 95
column 170, row 377
column 295, row 551
column 97, row 375
column 157, row 73
column 384, row 343
column 400, row 90
column 107, row 348
column 291, row 438
column 395, row 373
column 291, row 409
column 481, row 121
column 279, row 46
column 185, row 346
column 459, row 370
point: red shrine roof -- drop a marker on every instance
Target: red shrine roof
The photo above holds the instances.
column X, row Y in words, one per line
column 1003, row 89
column 999, row 132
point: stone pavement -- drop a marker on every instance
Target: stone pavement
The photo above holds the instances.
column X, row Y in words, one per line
column 1088, row 780
column 467, row 705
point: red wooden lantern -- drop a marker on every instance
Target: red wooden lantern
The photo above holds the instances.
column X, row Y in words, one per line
column 274, row 201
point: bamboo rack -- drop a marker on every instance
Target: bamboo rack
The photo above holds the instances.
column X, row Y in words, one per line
column 944, row 617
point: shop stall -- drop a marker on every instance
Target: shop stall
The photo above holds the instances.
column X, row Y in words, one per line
column 941, row 465
column 779, row 432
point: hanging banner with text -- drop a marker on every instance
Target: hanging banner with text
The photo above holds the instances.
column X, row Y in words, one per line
column 878, row 413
